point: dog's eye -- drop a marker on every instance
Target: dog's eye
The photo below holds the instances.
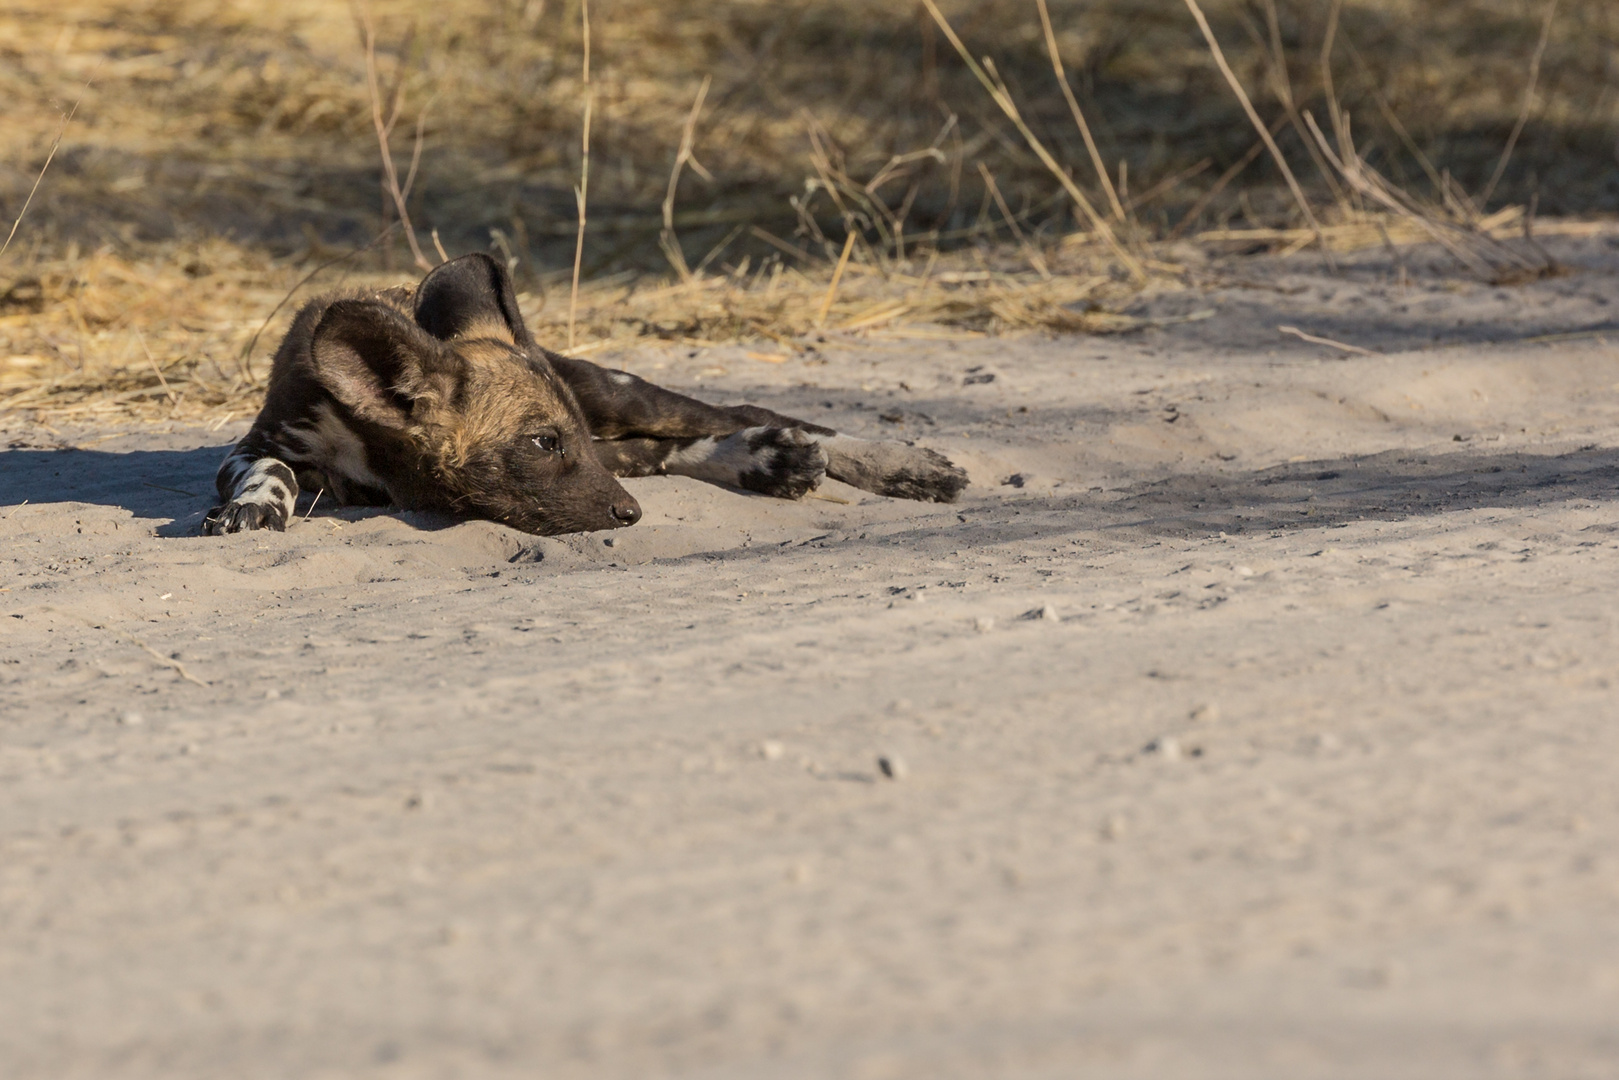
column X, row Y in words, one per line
column 549, row 443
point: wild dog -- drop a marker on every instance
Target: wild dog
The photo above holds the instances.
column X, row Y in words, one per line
column 438, row 398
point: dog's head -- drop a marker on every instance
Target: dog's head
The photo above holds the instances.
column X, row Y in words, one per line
column 462, row 393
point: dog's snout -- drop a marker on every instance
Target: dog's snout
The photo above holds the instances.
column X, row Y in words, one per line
column 626, row 511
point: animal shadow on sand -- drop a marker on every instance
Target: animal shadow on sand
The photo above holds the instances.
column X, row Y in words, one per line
column 1297, row 497
column 1390, row 486
column 174, row 488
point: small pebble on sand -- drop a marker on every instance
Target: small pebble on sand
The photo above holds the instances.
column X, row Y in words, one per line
column 984, row 624
column 1168, row 748
column 893, row 767
column 771, row 750
column 1043, row 613
column 1207, row 713
column 131, row 719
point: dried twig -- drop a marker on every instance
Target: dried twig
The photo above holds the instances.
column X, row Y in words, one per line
column 1168, row 184
column 150, row 359
column 56, row 142
column 1328, row 37
column 1528, row 104
column 777, row 242
column 898, row 167
column 1369, row 183
column 1259, row 125
column 1030, row 252
column 688, row 137
column 1079, row 117
column 1335, row 113
column 715, row 251
column 1467, row 243
column 416, row 146
column 1312, row 339
column 1190, row 217
column 1283, row 85
column 165, row 487
column 857, row 206
column 383, row 128
column 1471, row 244
column 862, row 205
column 179, row 668
column 837, row 277
column 1389, row 117
column 582, row 193
column 1003, row 98
column 167, row 661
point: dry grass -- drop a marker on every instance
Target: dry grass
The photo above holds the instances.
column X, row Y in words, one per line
column 228, row 148
column 103, row 336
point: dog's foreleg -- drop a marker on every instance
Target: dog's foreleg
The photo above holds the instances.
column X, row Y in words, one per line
column 257, row 490
column 722, row 444
column 895, row 469
column 781, row 462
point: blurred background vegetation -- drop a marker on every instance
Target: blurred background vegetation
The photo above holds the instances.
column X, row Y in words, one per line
column 252, row 121
column 225, row 147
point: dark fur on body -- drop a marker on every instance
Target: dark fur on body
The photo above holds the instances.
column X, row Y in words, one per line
column 437, row 398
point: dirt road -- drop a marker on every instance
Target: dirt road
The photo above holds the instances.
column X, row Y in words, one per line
column 1253, row 715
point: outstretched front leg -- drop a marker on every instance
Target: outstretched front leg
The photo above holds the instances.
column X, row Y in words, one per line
column 782, row 462
column 646, row 429
column 257, row 490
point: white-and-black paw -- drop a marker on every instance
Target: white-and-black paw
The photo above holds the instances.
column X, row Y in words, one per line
column 245, row 517
column 264, row 492
column 784, row 463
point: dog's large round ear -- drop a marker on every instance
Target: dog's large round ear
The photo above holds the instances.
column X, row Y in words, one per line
column 470, row 297
column 378, row 363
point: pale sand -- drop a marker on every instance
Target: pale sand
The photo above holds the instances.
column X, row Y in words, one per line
column 456, row 802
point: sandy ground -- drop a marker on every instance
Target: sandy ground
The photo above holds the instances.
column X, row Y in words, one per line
column 1305, row 769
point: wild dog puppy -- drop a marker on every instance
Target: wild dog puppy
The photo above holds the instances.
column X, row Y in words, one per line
column 437, row 398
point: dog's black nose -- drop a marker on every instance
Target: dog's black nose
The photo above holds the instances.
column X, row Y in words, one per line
column 627, row 512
